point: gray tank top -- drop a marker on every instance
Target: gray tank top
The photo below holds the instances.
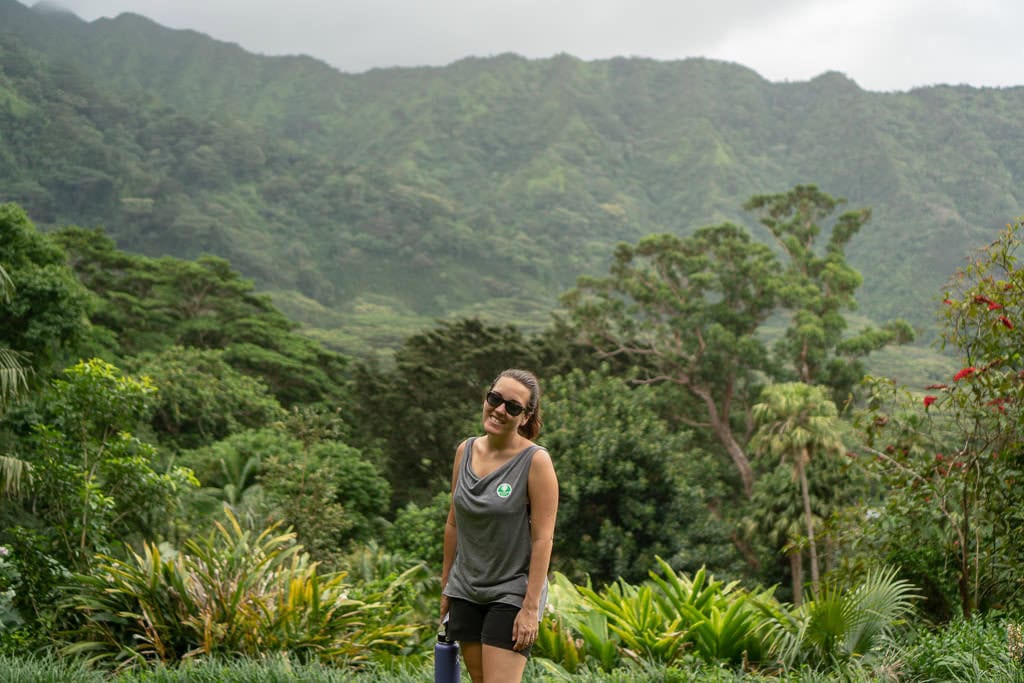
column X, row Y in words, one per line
column 492, row 557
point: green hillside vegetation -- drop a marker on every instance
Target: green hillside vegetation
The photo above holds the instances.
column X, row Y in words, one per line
column 173, row 454
column 369, row 205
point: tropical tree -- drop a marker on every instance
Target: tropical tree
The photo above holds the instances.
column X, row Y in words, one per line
column 797, row 420
column 46, row 322
column 329, row 493
column 418, row 410
column 144, row 305
column 96, row 485
column 202, row 398
column 818, row 286
column 687, row 311
column 631, row 487
column 228, row 472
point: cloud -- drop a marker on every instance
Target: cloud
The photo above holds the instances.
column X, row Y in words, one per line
column 888, row 44
column 882, row 44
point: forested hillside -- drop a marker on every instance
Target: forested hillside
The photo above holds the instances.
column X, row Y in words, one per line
column 369, row 204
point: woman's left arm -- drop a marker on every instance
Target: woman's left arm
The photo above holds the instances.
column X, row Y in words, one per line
column 543, row 494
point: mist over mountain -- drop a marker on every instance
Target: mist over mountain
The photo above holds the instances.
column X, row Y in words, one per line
column 372, row 203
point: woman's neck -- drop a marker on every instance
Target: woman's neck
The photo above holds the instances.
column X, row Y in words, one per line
column 504, row 442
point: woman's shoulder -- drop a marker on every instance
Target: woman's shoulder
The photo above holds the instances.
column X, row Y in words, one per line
column 464, row 446
column 540, row 454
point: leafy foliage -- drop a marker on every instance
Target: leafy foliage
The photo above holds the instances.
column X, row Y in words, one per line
column 437, row 377
column 145, row 305
column 95, row 485
column 629, row 488
column 415, row 530
column 327, row 492
column 234, row 592
column 666, row 619
column 956, row 455
column 202, row 399
column 44, row 321
column 841, row 624
column 983, row 648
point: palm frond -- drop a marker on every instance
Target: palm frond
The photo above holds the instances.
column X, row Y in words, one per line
column 15, row 475
column 14, row 374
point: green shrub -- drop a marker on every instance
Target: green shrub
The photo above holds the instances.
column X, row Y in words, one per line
column 233, row 593
column 668, row 620
column 841, row 624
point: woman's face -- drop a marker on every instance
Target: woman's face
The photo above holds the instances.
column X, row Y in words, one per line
column 497, row 419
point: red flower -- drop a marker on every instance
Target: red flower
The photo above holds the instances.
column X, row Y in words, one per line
column 948, row 302
column 1006, row 322
column 992, row 306
column 937, row 386
column 979, row 299
column 998, row 404
column 938, row 457
column 966, row 372
column 928, row 400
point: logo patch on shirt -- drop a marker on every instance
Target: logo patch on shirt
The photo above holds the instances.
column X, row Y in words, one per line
column 504, row 490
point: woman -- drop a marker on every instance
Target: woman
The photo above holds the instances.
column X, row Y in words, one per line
column 498, row 539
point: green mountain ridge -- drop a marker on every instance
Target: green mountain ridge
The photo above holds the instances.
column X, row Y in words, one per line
column 486, row 186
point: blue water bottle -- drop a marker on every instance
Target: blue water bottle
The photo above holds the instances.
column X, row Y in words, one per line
column 446, row 658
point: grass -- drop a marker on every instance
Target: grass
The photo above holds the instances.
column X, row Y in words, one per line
column 977, row 651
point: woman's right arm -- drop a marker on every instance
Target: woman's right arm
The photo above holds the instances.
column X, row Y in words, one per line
column 450, row 532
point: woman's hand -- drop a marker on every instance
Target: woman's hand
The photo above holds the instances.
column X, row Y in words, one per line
column 524, row 630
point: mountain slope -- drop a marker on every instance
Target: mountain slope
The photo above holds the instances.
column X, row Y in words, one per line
column 486, row 186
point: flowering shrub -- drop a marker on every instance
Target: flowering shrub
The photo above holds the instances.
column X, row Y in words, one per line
column 955, row 459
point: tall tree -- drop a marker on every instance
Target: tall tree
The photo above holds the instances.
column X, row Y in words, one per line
column 419, row 409
column 201, row 398
column 145, row 304
column 819, row 285
column 46, row 321
column 630, row 485
column 797, row 420
column 687, row 311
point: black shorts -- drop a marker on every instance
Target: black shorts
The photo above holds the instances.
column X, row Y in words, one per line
column 490, row 624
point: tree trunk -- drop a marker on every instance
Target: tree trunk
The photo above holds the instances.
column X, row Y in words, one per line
column 805, row 491
column 796, row 569
column 719, row 420
column 739, row 458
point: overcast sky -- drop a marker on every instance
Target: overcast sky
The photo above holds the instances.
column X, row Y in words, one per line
column 881, row 44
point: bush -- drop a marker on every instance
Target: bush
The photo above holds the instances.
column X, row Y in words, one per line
column 234, row 594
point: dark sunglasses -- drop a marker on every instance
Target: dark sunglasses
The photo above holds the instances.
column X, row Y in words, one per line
column 494, row 399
